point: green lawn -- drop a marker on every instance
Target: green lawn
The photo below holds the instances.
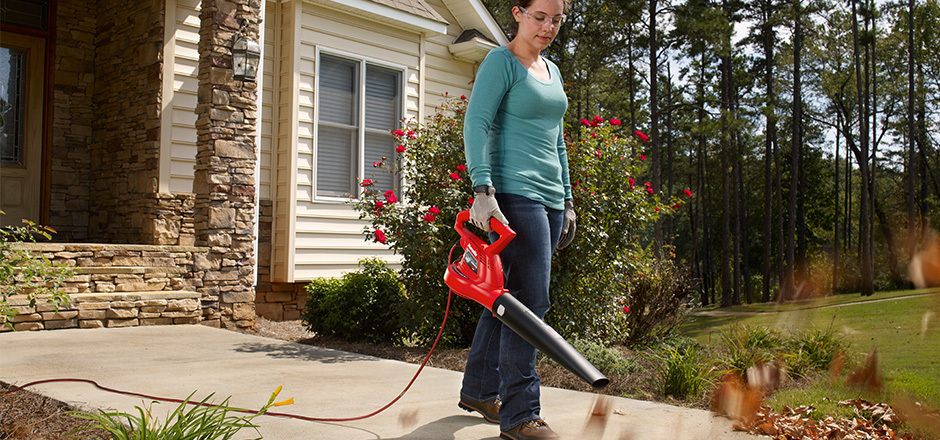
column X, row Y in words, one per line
column 903, row 326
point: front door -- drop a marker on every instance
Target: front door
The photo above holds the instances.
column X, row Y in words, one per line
column 21, row 110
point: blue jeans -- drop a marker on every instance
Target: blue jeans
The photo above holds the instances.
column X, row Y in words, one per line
column 502, row 364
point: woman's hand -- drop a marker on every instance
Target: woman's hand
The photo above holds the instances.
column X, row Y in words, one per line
column 485, row 206
column 568, row 227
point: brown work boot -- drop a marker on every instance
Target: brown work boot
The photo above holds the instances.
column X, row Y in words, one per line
column 489, row 410
column 533, row 429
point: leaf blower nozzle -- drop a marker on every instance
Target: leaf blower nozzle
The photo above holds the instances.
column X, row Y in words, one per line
column 478, row 276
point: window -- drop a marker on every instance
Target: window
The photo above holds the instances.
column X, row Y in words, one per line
column 354, row 128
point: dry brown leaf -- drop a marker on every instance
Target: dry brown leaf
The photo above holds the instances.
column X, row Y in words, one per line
column 867, row 375
column 596, row 422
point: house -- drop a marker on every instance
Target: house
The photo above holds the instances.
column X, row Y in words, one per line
column 181, row 194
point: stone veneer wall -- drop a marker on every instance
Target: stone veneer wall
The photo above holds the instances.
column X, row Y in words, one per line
column 173, row 222
column 73, row 119
column 226, row 126
column 126, row 131
column 117, row 286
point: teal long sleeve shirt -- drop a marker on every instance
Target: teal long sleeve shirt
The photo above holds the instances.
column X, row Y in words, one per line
column 514, row 131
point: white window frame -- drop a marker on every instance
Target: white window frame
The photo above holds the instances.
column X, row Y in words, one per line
column 362, row 61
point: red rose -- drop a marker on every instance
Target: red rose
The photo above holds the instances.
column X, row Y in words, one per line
column 687, row 192
column 642, row 136
column 365, row 183
column 461, row 168
column 434, row 210
column 400, row 148
column 614, row 121
column 380, row 236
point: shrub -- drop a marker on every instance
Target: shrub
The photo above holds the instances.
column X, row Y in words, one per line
column 660, row 296
column 26, row 273
column 589, row 279
column 608, row 360
column 418, row 224
column 682, row 372
column 365, row 305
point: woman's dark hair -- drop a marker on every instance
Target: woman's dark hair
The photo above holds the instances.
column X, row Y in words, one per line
column 514, row 25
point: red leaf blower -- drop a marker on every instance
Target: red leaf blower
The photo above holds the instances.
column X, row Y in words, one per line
column 478, row 276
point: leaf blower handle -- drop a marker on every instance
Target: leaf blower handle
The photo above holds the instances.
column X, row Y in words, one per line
column 506, row 234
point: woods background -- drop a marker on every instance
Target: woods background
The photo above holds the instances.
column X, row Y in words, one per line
column 806, row 129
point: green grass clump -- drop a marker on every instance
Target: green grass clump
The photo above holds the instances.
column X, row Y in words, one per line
column 201, row 421
column 746, row 346
column 683, row 372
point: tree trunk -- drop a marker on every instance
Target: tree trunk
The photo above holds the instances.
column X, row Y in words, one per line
column 736, row 236
column 669, row 150
column 835, row 225
column 632, row 82
column 910, row 168
column 867, row 288
column 794, row 155
column 770, row 136
column 654, row 126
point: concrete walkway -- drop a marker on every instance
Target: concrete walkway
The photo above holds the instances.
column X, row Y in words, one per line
column 174, row 361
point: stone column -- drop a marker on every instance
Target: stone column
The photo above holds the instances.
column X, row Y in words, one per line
column 224, row 210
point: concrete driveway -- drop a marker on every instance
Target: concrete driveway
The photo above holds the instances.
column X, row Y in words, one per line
column 174, row 361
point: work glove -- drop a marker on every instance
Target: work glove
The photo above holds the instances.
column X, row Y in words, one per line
column 568, row 226
column 485, row 206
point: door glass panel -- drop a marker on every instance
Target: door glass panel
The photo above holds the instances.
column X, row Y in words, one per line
column 12, row 105
column 28, row 13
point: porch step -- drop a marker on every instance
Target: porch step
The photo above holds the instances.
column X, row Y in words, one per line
column 77, row 298
column 96, row 310
column 128, row 270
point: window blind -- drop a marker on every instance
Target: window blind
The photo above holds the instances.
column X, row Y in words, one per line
column 337, row 138
column 341, row 160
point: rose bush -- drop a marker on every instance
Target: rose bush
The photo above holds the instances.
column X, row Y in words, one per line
column 590, row 285
column 593, row 279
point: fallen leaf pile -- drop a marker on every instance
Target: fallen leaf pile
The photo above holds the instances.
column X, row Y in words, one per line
column 870, row 423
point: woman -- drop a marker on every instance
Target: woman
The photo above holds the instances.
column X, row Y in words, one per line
column 514, row 143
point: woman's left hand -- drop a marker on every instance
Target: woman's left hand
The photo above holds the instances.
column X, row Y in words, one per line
column 569, row 225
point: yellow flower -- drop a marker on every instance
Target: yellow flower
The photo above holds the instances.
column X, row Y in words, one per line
column 285, row 402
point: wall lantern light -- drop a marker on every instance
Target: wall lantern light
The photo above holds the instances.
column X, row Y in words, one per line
column 246, row 55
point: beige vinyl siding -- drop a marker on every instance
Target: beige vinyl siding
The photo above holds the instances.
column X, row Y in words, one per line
column 180, row 87
column 323, row 238
column 266, row 148
column 444, row 74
